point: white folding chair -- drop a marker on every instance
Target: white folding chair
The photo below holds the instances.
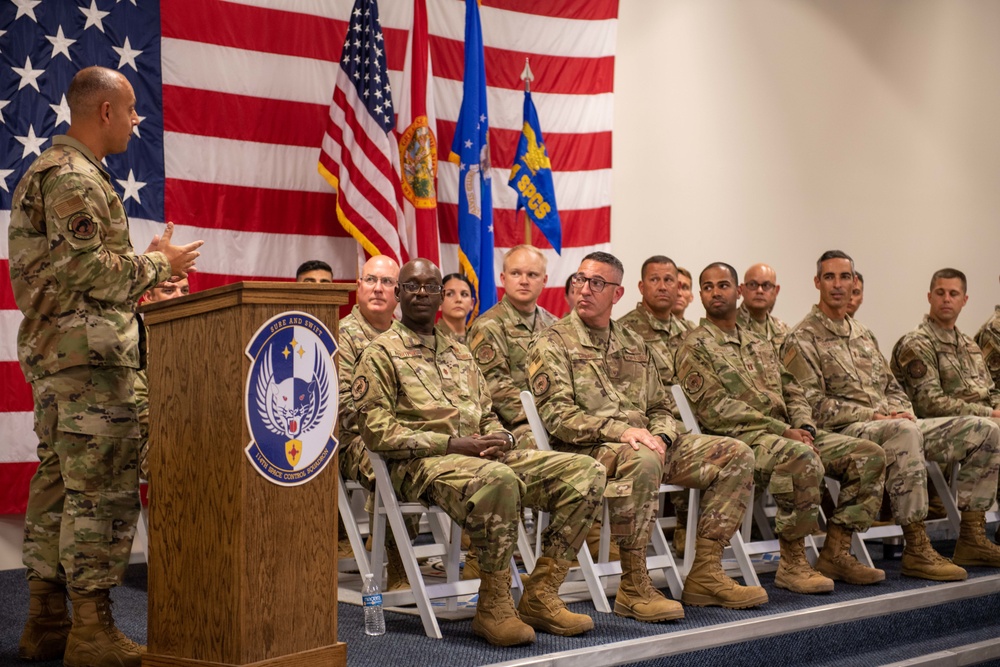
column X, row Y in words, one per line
column 594, row 573
column 350, row 504
column 742, row 546
column 448, row 546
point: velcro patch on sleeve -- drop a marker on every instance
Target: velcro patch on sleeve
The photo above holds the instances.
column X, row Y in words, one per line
column 67, row 207
column 359, row 388
column 693, row 383
column 82, row 226
column 916, row 369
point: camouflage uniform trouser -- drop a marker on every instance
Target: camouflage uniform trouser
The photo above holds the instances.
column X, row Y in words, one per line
column 631, row 492
column 722, row 469
column 485, row 497
column 972, row 441
column 793, row 473
column 142, row 411
column 84, row 499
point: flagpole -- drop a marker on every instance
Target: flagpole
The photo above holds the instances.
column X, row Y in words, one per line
column 527, row 77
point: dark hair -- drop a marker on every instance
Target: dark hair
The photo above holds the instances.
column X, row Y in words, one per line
column 655, row 259
column 91, row 87
column 312, row 265
column 720, row 265
column 861, row 278
column 569, row 284
column 609, row 259
column 832, row 254
column 463, row 278
column 947, row 274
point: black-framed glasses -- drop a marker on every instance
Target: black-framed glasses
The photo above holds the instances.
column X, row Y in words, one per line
column 596, row 283
column 413, row 288
column 753, row 285
column 386, row 281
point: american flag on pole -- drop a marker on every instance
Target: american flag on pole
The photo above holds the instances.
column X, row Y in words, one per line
column 234, row 99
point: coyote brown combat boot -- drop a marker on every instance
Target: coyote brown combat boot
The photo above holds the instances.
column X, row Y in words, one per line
column 637, row 597
column 835, row 559
column 44, row 636
column 496, row 619
column 543, row 609
column 921, row 561
column 972, row 547
column 395, row 572
column 794, row 571
column 708, row 586
column 94, row 640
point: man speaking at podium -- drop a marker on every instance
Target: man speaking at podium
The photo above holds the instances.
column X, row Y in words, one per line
column 76, row 279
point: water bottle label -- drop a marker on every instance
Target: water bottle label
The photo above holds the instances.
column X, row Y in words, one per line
column 372, row 600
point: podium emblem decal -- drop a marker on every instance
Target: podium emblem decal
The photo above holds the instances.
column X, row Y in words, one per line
column 291, row 398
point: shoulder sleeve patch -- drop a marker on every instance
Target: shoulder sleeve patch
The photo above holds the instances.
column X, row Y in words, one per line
column 73, row 204
column 994, row 362
column 693, row 383
column 540, row 385
column 359, row 388
column 82, row 227
column 485, row 353
column 916, row 369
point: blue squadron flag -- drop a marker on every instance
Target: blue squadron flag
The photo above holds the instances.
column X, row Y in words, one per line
column 471, row 150
column 531, row 178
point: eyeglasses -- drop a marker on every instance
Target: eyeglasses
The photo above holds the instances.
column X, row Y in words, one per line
column 385, row 280
column 596, row 284
column 413, row 288
column 753, row 285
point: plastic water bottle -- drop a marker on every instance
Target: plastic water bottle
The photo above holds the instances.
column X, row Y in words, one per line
column 372, row 600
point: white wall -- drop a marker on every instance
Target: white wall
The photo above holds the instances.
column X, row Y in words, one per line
column 772, row 130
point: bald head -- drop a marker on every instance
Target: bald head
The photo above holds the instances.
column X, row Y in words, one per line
column 419, row 307
column 91, row 87
column 375, row 289
column 759, row 290
column 380, row 263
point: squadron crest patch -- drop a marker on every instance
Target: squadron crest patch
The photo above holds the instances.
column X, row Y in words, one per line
column 485, row 354
column 291, row 399
column 359, row 388
column 693, row 383
column 540, row 384
column 994, row 362
column 916, row 369
column 82, row 227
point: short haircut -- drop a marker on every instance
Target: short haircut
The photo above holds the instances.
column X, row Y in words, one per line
column 720, row 265
column 312, row 265
column 832, row 254
column 861, row 278
column 91, row 87
column 684, row 272
column 529, row 248
column 947, row 274
column 655, row 259
column 463, row 278
column 609, row 259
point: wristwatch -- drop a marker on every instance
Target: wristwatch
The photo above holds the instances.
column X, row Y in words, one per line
column 809, row 428
column 510, row 438
column 666, row 439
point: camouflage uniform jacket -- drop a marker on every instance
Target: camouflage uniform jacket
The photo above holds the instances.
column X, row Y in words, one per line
column 499, row 341
column 442, row 328
column 588, row 393
column 839, row 367
column 737, row 386
column 771, row 329
column 944, row 373
column 355, row 333
column 662, row 338
column 73, row 271
column 988, row 339
column 412, row 394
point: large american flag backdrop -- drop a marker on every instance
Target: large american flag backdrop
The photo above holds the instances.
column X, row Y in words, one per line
column 233, row 99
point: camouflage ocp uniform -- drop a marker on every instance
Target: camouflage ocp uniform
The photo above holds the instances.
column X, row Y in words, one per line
column 77, row 279
column 847, row 382
column 663, row 340
column 771, row 329
column 442, row 328
column 738, row 388
column 499, row 340
column 944, row 373
column 988, row 339
column 590, row 387
column 413, row 393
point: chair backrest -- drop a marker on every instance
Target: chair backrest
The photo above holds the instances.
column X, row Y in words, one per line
column 537, row 427
column 687, row 414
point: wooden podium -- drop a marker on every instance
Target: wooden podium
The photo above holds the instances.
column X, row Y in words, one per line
column 242, row 571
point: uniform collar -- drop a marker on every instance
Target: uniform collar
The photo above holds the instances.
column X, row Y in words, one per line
column 371, row 333
column 844, row 328
column 944, row 335
column 653, row 321
column 66, row 140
